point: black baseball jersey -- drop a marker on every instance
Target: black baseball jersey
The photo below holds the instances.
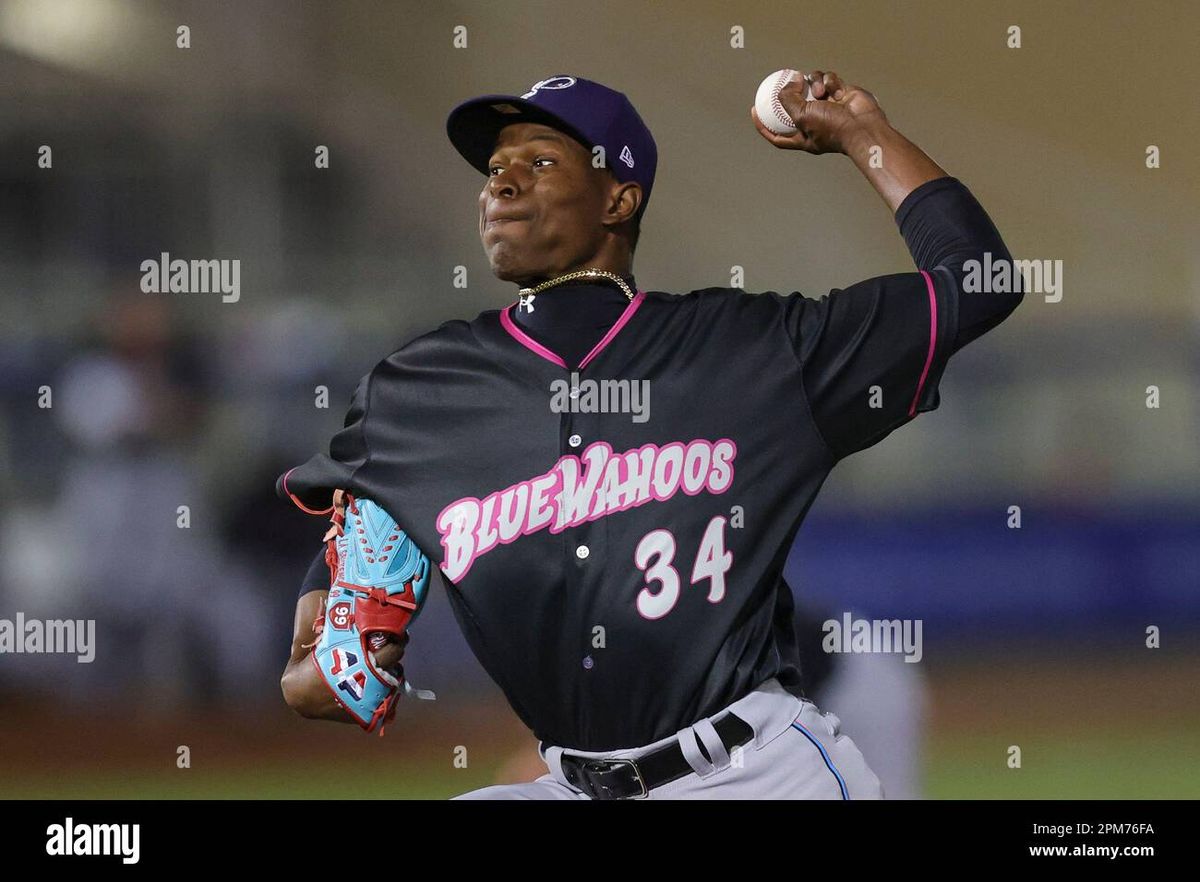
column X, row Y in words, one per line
column 616, row 562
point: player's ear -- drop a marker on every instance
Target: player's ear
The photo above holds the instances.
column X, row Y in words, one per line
column 623, row 203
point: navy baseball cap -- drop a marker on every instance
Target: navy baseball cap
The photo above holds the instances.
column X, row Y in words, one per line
column 592, row 114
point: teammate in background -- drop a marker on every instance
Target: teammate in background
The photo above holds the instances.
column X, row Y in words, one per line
column 619, row 574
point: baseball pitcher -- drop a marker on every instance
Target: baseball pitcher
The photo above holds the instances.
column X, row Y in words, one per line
column 607, row 480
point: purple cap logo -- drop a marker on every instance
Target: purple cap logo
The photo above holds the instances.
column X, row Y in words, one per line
column 591, row 113
column 551, row 83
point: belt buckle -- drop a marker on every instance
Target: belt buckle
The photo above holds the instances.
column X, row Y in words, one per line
column 607, row 764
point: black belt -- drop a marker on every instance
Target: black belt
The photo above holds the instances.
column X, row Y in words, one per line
column 629, row 778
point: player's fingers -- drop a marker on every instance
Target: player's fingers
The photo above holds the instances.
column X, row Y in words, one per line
column 757, row 122
column 816, row 83
column 796, row 141
column 763, row 130
column 832, row 86
column 389, row 654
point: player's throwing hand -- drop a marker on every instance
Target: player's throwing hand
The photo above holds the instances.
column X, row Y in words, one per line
column 828, row 123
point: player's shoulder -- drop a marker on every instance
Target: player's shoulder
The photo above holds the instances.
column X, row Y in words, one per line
column 704, row 297
column 717, row 298
column 414, row 357
column 730, row 305
column 447, row 337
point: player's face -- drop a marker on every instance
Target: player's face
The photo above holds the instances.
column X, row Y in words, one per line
column 540, row 210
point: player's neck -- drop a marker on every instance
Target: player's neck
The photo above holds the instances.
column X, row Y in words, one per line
column 612, row 257
column 626, row 272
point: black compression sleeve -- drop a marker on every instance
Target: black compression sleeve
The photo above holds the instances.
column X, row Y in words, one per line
column 894, row 334
column 944, row 227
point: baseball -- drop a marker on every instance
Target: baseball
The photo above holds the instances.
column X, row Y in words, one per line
column 766, row 101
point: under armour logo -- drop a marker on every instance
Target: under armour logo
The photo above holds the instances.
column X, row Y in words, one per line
column 559, row 82
column 526, row 303
column 626, row 156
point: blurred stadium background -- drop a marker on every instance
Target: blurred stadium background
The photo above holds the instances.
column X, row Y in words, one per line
column 1033, row 637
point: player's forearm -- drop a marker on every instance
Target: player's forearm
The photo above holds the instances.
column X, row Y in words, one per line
column 307, row 694
column 894, row 165
column 303, row 689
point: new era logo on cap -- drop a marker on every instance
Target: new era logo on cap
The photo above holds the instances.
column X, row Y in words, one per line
column 626, row 156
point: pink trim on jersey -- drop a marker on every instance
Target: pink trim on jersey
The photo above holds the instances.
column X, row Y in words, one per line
column 537, row 348
column 300, row 505
column 525, row 340
column 932, row 342
column 612, row 332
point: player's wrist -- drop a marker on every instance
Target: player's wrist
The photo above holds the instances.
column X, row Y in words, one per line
column 864, row 134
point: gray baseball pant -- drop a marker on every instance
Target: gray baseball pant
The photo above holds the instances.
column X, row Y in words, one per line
column 797, row 752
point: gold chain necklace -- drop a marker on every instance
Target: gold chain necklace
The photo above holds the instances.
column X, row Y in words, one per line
column 526, row 295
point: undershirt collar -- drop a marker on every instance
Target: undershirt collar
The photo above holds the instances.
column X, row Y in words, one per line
column 569, row 319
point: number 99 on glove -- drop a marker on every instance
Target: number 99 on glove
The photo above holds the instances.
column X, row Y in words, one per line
column 379, row 579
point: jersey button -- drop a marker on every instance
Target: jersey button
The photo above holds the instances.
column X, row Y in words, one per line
column 582, row 552
column 574, row 440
